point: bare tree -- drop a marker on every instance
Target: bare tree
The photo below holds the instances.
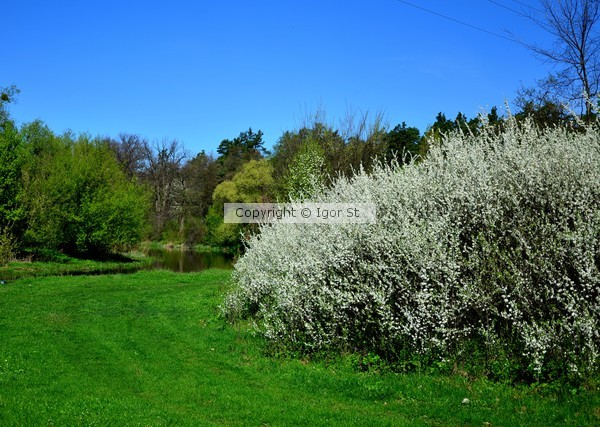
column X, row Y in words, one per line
column 129, row 151
column 164, row 161
column 573, row 23
column 364, row 136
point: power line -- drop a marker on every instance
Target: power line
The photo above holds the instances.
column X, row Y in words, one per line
column 460, row 22
column 509, row 8
column 528, row 6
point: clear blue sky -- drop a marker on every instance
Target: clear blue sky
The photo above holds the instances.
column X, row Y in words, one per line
column 203, row 71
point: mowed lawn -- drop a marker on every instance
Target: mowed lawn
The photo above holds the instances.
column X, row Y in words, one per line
column 150, row 349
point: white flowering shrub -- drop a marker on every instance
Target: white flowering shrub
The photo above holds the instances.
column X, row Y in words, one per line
column 306, row 173
column 490, row 246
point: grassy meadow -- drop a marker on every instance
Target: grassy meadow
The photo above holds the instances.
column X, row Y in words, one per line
column 151, row 349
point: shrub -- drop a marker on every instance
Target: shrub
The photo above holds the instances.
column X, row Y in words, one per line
column 12, row 158
column 79, row 201
column 305, row 174
column 491, row 246
column 6, row 247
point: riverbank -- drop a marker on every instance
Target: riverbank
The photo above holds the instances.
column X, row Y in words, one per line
column 147, row 245
column 63, row 265
column 146, row 256
column 150, row 348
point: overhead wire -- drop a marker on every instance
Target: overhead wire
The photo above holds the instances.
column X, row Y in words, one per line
column 466, row 24
column 528, row 6
column 509, row 8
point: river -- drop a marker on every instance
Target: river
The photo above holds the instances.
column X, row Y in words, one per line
column 189, row 261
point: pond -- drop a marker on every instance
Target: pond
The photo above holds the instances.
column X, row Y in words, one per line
column 189, row 261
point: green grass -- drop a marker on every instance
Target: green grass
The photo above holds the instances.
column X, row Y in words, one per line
column 149, row 348
column 64, row 265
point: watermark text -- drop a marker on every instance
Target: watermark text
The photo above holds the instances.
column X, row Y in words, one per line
column 300, row 213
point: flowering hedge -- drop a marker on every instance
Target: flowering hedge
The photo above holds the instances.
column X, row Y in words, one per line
column 491, row 245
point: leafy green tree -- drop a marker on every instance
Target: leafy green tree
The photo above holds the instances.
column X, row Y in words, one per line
column 199, row 177
column 7, row 95
column 467, row 126
column 40, row 140
column 493, row 117
column 219, row 233
column 359, row 153
column 234, row 153
column 12, row 158
column 79, row 200
column 402, row 141
column 254, row 183
column 545, row 109
column 324, row 136
column 284, row 151
column 444, row 126
column 306, row 172
column 441, row 126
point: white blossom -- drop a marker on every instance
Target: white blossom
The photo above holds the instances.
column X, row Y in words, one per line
column 494, row 237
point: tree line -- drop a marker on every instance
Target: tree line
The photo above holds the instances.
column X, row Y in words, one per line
column 96, row 195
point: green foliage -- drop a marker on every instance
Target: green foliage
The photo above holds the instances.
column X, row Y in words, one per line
column 78, row 199
column 329, row 141
column 443, row 126
column 402, row 143
column 544, row 114
column 200, row 175
column 171, row 232
column 195, row 229
column 12, row 159
column 365, row 143
column 7, row 95
column 305, row 174
column 111, row 217
column 252, row 184
column 234, row 153
column 218, row 232
column 6, row 247
column 357, row 145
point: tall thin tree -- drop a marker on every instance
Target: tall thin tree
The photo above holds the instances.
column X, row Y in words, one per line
column 575, row 51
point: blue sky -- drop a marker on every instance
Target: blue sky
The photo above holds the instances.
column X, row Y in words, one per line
column 203, row 71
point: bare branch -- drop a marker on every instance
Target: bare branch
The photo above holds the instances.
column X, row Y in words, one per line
column 575, row 50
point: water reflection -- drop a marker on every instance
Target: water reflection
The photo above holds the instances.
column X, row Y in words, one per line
column 189, row 261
